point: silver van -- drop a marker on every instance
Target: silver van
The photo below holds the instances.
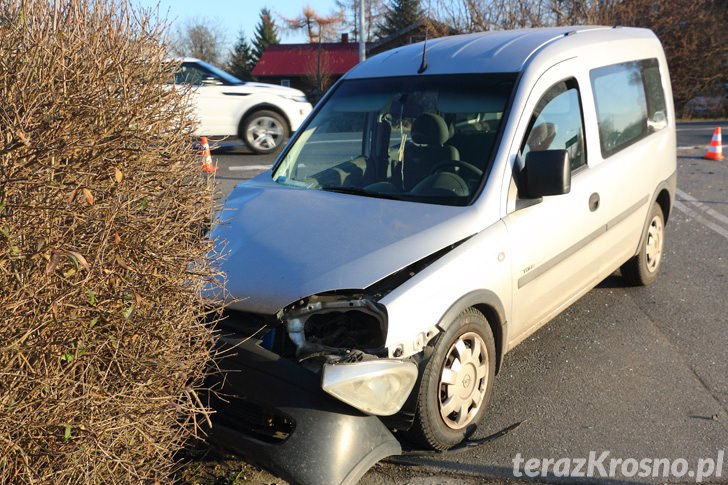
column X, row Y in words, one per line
column 443, row 202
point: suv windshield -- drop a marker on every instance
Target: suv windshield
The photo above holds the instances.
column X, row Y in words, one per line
column 426, row 138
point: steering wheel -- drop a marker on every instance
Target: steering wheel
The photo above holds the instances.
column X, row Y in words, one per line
column 463, row 169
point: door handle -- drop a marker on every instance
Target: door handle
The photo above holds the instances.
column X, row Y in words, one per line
column 594, row 202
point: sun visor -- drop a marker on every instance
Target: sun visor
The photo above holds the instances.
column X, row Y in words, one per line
column 466, row 102
column 361, row 103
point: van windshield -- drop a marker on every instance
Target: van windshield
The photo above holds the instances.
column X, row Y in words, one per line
column 425, row 138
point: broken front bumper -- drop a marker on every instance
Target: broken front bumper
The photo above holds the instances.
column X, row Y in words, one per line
column 273, row 412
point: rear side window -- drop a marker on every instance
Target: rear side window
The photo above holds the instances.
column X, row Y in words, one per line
column 630, row 103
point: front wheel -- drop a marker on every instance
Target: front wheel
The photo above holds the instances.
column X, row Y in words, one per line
column 642, row 269
column 456, row 384
column 264, row 131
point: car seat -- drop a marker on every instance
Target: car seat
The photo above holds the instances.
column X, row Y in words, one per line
column 429, row 134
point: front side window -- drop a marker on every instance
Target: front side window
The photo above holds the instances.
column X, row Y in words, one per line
column 189, row 74
column 556, row 124
column 630, row 103
column 425, row 138
column 197, row 72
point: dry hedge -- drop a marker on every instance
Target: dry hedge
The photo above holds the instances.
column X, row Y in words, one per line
column 101, row 259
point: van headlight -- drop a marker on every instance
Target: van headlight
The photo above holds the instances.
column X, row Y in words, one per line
column 378, row 386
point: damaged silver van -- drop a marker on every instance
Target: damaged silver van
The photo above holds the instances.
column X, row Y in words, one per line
column 443, row 202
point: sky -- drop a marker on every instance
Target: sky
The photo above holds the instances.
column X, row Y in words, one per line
column 234, row 15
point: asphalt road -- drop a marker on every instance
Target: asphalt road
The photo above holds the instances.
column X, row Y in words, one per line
column 635, row 372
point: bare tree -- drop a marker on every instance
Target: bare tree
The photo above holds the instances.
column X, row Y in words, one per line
column 691, row 31
column 463, row 15
column 317, row 75
column 373, row 11
column 318, row 27
column 202, row 38
column 572, row 12
column 693, row 35
column 483, row 15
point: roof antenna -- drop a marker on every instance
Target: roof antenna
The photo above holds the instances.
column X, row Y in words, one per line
column 423, row 65
column 426, row 23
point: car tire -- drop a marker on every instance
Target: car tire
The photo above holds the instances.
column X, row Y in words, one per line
column 642, row 269
column 264, row 132
column 455, row 379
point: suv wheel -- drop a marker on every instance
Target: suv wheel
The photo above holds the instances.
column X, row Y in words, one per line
column 642, row 269
column 264, row 131
column 456, row 384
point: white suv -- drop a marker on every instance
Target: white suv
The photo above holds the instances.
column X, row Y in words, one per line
column 441, row 204
column 261, row 115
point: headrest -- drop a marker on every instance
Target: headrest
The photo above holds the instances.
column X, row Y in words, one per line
column 541, row 137
column 430, row 129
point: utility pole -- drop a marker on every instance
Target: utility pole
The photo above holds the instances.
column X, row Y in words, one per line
column 362, row 39
column 318, row 68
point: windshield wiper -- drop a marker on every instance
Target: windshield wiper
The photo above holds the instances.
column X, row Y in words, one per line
column 361, row 191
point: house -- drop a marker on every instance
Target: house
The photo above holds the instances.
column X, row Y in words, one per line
column 312, row 68
column 315, row 67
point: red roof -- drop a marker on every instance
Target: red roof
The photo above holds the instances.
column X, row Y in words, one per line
column 302, row 59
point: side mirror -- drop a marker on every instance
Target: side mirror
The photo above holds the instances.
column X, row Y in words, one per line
column 211, row 81
column 546, row 173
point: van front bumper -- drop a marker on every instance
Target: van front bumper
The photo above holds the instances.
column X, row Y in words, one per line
column 273, row 412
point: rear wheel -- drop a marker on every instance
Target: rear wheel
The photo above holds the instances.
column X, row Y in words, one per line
column 642, row 269
column 456, row 384
column 264, row 131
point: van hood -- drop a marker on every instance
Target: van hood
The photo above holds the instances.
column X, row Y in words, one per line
column 281, row 244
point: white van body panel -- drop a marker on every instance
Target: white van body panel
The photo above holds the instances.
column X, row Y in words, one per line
column 609, row 236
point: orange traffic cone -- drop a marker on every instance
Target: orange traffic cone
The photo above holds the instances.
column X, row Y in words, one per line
column 205, row 156
column 715, row 151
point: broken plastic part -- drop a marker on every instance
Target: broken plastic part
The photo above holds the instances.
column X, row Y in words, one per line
column 312, row 438
column 334, row 323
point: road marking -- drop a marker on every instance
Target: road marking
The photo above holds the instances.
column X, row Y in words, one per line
column 699, row 205
column 696, row 147
column 708, row 130
column 250, row 167
column 699, row 212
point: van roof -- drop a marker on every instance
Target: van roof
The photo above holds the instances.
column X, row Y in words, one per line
column 491, row 52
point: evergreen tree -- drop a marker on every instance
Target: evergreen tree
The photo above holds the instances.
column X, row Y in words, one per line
column 266, row 33
column 399, row 14
column 241, row 62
